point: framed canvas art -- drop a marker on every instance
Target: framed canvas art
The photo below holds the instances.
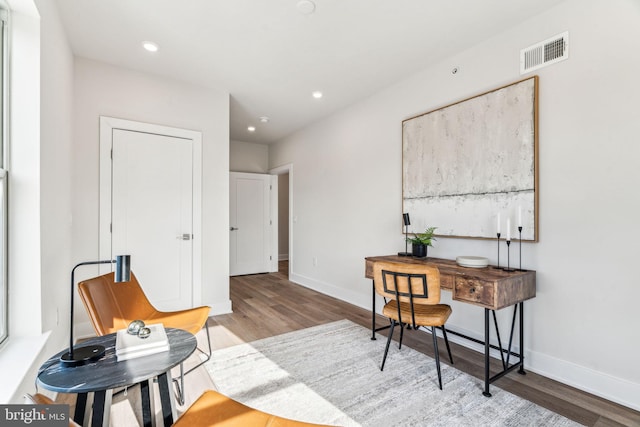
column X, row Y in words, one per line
column 472, row 166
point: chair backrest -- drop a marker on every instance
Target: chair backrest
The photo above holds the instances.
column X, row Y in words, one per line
column 112, row 306
column 415, row 283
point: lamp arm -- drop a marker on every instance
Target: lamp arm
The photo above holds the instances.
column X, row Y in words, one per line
column 72, row 298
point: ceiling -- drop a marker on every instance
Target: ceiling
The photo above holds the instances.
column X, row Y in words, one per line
column 270, row 56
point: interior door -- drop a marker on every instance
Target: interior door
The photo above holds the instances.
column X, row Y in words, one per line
column 152, row 211
column 251, row 230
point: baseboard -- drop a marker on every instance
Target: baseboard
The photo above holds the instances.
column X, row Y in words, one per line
column 608, row 387
column 220, row 308
column 283, row 257
column 355, row 298
column 603, row 385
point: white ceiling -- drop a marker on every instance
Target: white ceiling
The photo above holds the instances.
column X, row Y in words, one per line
column 270, row 57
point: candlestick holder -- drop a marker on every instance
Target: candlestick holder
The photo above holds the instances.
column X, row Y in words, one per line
column 508, row 261
column 520, row 251
column 498, row 240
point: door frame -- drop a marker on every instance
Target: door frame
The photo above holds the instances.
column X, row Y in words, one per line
column 281, row 170
column 107, row 126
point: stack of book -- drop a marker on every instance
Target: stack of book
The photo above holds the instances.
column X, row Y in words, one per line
column 131, row 346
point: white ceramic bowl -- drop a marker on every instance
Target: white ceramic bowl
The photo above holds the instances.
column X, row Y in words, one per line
column 472, row 261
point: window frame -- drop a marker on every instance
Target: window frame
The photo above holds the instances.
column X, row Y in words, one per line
column 4, row 175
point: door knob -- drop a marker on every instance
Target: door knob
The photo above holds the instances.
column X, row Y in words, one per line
column 185, row 236
column 233, row 228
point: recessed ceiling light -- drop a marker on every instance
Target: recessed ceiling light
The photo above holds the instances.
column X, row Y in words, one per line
column 306, row 7
column 251, row 128
column 264, row 119
column 150, row 46
column 317, row 94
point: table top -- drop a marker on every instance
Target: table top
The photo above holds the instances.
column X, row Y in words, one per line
column 450, row 267
column 107, row 373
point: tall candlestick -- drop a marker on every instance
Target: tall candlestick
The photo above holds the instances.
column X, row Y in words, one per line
column 498, row 224
column 519, row 216
column 508, row 229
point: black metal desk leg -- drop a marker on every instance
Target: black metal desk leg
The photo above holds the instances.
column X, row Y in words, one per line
column 486, row 354
column 373, row 310
column 521, row 370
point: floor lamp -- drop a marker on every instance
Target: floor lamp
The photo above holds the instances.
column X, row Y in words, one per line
column 407, row 223
column 82, row 355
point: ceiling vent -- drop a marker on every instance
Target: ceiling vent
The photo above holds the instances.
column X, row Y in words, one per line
column 550, row 51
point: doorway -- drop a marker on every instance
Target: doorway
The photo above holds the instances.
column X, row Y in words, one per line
column 285, row 216
column 253, row 225
column 150, row 183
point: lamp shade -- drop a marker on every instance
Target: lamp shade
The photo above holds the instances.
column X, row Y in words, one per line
column 123, row 268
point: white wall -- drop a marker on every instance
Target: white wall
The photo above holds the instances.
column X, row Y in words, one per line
column 582, row 328
column 40, row 231
column 105, row 90
column 248, row 157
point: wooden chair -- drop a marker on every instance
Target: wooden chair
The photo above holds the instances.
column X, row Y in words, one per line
column 412, row 298
column 215, row 409
column 112, row 306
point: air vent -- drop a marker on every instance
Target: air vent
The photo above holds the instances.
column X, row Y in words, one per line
column 545, row 53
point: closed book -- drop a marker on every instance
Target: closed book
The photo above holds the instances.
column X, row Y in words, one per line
column 128, row 345
column 141, row 353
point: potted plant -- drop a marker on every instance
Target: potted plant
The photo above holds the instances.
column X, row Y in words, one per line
column 420, row 242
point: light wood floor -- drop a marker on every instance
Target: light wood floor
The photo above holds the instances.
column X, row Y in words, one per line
column 266, row 305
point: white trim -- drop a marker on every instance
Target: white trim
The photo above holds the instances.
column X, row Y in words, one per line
column 273, row 223
column 107, row 125
column 281, row 170
column 20, row 354
column 612, row 388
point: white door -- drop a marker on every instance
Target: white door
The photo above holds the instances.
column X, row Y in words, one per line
column 251, row 230
column 152, row 213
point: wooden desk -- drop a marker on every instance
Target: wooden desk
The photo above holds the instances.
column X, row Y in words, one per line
column 491, row 288
column 104, row 375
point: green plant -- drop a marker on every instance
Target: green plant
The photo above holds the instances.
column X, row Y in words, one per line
column 426, row 238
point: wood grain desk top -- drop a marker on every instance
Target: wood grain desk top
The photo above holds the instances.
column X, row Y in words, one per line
column 488, row 287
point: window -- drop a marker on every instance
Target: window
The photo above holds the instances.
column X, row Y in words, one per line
column 4, row 330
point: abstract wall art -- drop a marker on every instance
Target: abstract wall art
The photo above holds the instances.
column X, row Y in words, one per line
column 469, row 163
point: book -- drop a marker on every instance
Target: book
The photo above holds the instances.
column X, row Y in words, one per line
column 131, row 346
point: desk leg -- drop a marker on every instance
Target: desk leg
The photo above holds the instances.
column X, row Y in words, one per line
column 166, row 399
column 145, row 396
column 101, row 408
column 373, row 311
column 486, row 354
column 521, row 370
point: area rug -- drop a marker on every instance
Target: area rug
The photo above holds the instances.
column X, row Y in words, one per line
column 330, row 374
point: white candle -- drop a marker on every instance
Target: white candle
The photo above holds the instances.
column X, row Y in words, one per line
column 498, row 224
column 519, row 216
column 508, row 228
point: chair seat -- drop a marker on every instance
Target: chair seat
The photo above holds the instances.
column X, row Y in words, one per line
column 190, row 320
column 215, row 409
column 425, row 315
